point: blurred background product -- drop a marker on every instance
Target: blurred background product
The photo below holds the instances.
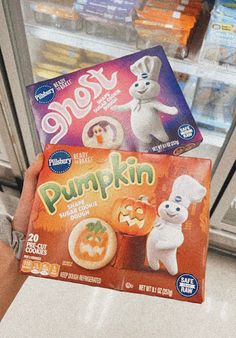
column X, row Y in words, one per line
column 169, row 23
column 55, row 59
column 44, row 39
column 219, row 44
column 214, row 105
column 57, row 15
column 111, row 19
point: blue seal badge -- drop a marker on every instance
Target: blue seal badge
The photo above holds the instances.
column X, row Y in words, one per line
column 44, row 94
column 186, row 132
column 187, row 285
column 60, row 161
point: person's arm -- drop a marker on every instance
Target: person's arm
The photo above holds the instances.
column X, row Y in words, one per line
column 165, row 109
column 11, row 279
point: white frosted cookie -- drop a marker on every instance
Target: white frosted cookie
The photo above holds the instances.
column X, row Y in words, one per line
column 92, row 243
column 103, row 132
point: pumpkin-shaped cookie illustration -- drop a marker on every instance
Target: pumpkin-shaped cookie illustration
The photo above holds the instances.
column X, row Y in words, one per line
column 133, row 216
column 92, row 243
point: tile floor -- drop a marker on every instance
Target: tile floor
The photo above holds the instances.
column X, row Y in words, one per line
column 51, row 309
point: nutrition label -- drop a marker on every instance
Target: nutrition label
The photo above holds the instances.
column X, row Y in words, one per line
column 40, row 268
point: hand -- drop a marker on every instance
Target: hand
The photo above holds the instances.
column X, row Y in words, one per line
column 22, row 214
column 173, row 111
column 10, row 278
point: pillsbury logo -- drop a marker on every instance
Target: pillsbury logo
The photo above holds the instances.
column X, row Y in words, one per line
column 44, row 94
column 178, row 199
column 60, row 161
column 144, row 75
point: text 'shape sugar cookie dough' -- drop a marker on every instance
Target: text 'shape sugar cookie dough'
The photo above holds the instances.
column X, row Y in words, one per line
column 133, row 103
column 92, row 243
column 129, row 221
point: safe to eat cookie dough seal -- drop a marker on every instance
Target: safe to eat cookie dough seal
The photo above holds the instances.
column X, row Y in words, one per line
column 103, row 132
column 92, row 243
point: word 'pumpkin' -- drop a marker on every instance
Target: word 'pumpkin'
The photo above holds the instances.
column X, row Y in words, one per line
column 133, row 216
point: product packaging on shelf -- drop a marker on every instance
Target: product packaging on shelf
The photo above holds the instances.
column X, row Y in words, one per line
column 219, row 45
column 128, row 221
column 132, row 103
column 57, row 15
column 55, row 59
column 175, row 5
column 169, row 23
column 214, row 105
column 109, row 19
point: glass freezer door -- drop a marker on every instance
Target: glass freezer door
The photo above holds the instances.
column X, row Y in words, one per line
column 223, row 232
column 229, row 219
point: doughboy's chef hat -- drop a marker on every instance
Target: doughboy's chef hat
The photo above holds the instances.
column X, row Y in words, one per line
column 187, row 190
column 147, row 67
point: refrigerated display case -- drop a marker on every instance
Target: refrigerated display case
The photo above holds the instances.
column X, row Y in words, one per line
column 224, row 219
column 12, row 158
column 42, row 40
column 223, row 212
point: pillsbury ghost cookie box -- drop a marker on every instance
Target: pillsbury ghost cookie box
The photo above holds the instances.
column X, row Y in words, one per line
column 134, row 222
column 131, row 103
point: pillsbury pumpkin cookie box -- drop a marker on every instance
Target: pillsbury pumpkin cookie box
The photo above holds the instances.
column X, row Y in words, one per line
column 129, row 221
column 131, row 103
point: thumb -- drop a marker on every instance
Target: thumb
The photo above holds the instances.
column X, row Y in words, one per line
column 22, row 214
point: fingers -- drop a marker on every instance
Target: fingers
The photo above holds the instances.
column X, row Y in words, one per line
column 22, row 215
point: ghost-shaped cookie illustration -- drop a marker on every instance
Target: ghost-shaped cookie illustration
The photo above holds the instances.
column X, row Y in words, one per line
column 166, row 235
column 145, row 108
column 102, row 133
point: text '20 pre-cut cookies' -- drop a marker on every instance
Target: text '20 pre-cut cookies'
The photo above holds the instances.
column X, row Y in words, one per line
column 131, row 103
column 129, row 221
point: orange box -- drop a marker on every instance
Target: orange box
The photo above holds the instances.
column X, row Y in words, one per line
column 157, row 31
column 175, row 5
column 168, row 17
column 128, row 221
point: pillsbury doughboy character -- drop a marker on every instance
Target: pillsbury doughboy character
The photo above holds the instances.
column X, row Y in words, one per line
column 166, row 235
column 145, row 108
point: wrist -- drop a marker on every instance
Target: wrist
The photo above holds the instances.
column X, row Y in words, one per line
column 14, row 239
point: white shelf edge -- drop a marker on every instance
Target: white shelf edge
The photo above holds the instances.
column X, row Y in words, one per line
column 213, row 138
column 118, row 49
column 222, row 239
column 79, row 40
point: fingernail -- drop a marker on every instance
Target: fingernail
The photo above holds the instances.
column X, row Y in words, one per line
column 39, row 156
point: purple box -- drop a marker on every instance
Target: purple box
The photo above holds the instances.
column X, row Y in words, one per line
column 131, row 103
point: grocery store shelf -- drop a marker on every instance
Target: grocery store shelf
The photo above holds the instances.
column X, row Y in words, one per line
column 118, row 49
column 80, row 40
column 213, row 138
column 212, row 71
column 223, row 240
